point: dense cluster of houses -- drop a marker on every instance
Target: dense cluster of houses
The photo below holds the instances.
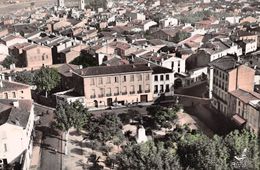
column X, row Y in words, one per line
column 144, row 49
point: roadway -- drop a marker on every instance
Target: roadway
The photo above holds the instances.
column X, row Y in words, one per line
column 50, row 159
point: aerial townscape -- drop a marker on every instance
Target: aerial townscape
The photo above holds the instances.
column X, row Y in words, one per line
column 130, row 84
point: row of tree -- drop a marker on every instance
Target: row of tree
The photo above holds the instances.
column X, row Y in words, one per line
column 238, row 150
column 181, row 148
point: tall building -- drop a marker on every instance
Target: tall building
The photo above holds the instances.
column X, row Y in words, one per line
column 227, row 75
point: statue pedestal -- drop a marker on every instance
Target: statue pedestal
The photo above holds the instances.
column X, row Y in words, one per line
column 141, row 136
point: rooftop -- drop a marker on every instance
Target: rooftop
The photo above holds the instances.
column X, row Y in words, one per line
column 225, row 63
column 245, row 96
column 15, row 115
column 105, row 70
column 12, row 86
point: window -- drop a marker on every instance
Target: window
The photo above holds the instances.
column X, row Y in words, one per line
column 139, row 77
column 102, row 91
column 14, row 95
column 124, row 90
column 140, row 88
column 155, row 78
column 93, row 94
column 124, row 79
column 92, row 81
column 116, row 79
column 6, row 95
column 161, row 89
column 132, row 89
column 5, row 147
column 167, row 77
column 22, row 92
column 161, row 77
column 132, row 78
column 109, row 92
column 238, row 103
column 179, row 70
column 108, row 80
column 42, row 57
column 147, row 77
column 116, row 91
column 147, row 88
column 156, row 89
column 100, row 80
column 167, row 88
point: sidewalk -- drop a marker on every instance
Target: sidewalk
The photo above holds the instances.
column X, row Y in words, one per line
column 36, row 152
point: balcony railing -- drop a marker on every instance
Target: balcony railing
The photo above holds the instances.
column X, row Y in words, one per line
column 147, row 91
column 109, row 94
column 132, row 92
column 93, row 96
column 116, row 94
column 101, row 95
column 139, row 91
column 124, row 93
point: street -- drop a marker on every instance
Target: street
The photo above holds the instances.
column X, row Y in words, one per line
column 51, row 154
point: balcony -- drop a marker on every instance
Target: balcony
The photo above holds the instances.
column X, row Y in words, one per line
column 139, row 91
column 147, row 91
column 124, row 93
column 116, row 94
column 109, row 94
column 101, row 95
column 93, row 96
column 132, row 92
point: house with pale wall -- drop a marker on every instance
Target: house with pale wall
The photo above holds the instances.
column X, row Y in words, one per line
column 16, row 127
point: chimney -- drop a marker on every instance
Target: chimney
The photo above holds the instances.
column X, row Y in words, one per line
column 1, row 84
column 80, row 66
column 16, row 104
column 149, row 64
column 9, row 78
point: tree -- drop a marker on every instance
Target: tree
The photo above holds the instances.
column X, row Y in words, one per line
column 70, row 115
column 180, row 36
column 199, row 152
column 85, row 59
column 243, row 143
column 46, row 79
column 105, row 128
column 147, row 155
column 8, row 61
column 161, row 115
column 25, row 77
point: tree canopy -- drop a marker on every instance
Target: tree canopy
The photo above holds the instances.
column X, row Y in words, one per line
column 105, row 128
column 8, row 61
column 25, row 77
column 46, row 79
column 147, row 155
column 85, row 59
column 70, row 115
column 161, row 115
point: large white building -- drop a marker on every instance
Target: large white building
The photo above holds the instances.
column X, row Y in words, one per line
column 16, row 125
